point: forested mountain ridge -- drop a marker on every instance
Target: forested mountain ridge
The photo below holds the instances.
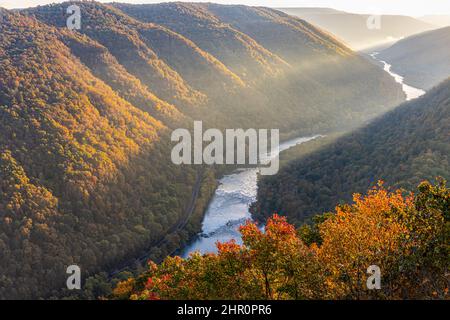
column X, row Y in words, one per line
column 208, row 89
column 116, row 32
column 106, row 67
column 405, row 236
column 85, row 172
column 212, row 81
column 84, row 178
column 288, row 37
column 290, row 65
column 402, row 148
column 422, row 59
column 237, row 50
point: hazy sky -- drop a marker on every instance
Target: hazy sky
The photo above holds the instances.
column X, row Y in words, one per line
column 406, row 7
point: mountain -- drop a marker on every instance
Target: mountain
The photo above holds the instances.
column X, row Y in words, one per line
column 294, row 73
column 437, row 20
column 128, row 41
column 402, row 148
column 235, row 49
column 423, row 59
column 86, row 116
column 105, row 66
column 207, row 88
column 353, row 28
column 405, row 236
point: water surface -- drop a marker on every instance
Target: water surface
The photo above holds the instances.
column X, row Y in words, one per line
column 229, row 207
column 411, row 92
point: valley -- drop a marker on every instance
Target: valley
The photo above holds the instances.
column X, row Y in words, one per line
column 86, row 119
column 89, row 122
column 229, row 207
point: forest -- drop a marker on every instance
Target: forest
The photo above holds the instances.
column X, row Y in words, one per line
column 403, row 147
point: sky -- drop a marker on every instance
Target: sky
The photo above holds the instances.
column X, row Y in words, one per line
column 404, row 7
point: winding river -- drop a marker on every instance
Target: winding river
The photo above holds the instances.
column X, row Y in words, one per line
column 411, row 92
column 229, row 207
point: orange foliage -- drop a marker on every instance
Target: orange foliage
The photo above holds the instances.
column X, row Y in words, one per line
column 382, row 228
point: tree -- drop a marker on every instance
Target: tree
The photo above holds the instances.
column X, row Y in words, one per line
column 405, row 235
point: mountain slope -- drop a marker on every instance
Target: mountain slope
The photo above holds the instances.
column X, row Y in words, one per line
column 402, row 148
column 305, row 64
column 185, row 66
column 104, row 66
column 318, row 62
column 120, row 36
column 422, row 59
column 437, row 20
column 84, row 175
column 285, row 35
column 352, row 28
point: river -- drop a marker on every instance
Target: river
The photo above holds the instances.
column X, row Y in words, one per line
column 411, row 92
column 229, row 207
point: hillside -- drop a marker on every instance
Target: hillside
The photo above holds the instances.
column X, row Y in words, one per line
column 84, row 175
column 402, row 148
column 423, row 59
column 352, row 28
column 207, row 88
column 106, row 67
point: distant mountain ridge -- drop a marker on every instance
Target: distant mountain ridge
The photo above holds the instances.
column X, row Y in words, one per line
column 352, row 28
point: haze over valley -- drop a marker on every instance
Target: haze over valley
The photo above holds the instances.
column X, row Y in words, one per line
column 87, row 176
